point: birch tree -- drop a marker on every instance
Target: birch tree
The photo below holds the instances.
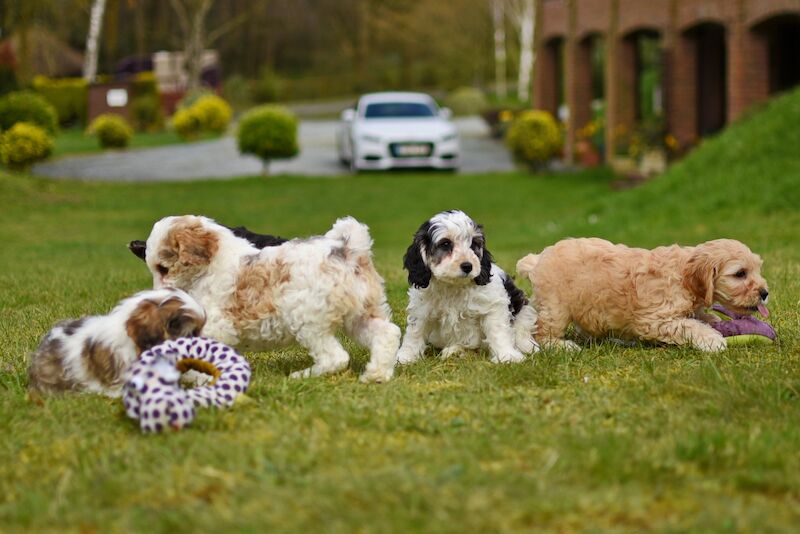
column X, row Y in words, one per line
column 92, row 38
column 522, row 16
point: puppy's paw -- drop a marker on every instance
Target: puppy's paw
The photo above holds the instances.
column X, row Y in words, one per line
column 711, row 343
column 305, row 373
column 452, row 350
column 527, row 346
column 509, row 357
column 405, row 357
column 376, row 375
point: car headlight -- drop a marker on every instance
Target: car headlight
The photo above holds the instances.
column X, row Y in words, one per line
column 371, row 138
column 450, row 137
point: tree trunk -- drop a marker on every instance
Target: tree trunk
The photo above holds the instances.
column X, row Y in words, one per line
column 526, row 51
column 95, row 26
column 192, row 20
column 498, row 18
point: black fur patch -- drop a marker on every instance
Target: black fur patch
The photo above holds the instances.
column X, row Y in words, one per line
column 516, row 297
column 258, row 240
column 418, row 273
column 486, row 269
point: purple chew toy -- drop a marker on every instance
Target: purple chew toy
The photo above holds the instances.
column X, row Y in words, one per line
column 739, row 325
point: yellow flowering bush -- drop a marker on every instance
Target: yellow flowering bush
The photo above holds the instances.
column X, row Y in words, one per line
column 534, row 138
column 24, row 144
column 188, row 122
column 112, row 131
column 215, row 113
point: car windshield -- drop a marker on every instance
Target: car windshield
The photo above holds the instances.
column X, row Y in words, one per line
column 385, row 110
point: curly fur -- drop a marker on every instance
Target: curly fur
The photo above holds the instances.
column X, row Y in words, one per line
column 459, row 299
column 632, row 293
column 301, row 291
column 94, row 353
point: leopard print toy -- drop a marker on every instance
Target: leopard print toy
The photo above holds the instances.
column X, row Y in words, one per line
column 152, row 393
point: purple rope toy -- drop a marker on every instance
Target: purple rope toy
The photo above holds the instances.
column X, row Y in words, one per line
column 152, row 393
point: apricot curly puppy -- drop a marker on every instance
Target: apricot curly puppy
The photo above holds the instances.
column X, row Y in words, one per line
column 637, row 294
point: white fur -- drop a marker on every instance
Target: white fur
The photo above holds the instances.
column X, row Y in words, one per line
column 332, row 285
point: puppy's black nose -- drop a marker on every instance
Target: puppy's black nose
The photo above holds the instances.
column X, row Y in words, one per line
column 764, row 294
column 466, row 267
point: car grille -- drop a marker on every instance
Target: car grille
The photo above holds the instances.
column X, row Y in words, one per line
column 410, row 150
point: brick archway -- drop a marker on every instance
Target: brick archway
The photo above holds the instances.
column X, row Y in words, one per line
column 781, row 35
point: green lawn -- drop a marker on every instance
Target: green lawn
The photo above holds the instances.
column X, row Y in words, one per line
column 609, row 439
column 76, row 141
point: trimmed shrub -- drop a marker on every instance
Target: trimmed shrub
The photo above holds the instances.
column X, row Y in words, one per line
column 534, row 138
column 215, row 113
column 188, row 123
column 466, row 101
column 26, row 106
column 24, row 144
column 146, row 113
column 268, row 132
column 111, row 130
column 69, row 97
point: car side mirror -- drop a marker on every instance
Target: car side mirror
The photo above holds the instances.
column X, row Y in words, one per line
column 348, row 115
column 446, row 113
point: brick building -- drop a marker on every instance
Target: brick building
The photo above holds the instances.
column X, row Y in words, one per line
column 717, row 58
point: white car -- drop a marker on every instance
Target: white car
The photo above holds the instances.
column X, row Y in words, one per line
column 391, row 130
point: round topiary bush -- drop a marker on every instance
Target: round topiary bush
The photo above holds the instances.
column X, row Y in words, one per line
column 466, row 101
column 188, row 122
column 25, row 106
column 111, row 130
column 534, row 138
column 215, row 113
column 24, row 144
column 269, row 132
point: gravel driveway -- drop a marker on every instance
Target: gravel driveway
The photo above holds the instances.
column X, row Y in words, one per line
column 221, row 159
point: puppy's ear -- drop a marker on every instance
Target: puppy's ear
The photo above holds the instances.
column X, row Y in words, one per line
column 144, row 326
column 486, row 268
column 138, row 247
column 195, row 244
column 419, row 275
column 699, row 276
column 177, row 321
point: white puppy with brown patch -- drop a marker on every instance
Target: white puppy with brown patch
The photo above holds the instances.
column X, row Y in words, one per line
column 459, row 299
column 301, row 291
column 637, row 294
column 94, row 353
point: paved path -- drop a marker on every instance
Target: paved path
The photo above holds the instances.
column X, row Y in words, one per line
column 220, row 158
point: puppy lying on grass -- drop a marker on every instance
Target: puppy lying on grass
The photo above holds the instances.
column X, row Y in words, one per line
column 94, row 353
column 637, row 294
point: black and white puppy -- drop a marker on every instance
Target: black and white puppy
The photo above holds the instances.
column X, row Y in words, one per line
column 459, row 299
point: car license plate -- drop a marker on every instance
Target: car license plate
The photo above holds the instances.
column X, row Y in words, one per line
column 412, row 150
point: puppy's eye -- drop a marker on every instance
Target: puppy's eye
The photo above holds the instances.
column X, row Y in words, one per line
column 445, row 244
column 163, row 270
column 741, row 273
column 477, row 244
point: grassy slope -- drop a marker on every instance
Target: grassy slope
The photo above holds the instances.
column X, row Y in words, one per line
column 610, row 439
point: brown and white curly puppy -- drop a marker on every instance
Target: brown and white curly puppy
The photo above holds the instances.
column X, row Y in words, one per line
column 637, row 294
column 93, row 354
column 302, row 291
